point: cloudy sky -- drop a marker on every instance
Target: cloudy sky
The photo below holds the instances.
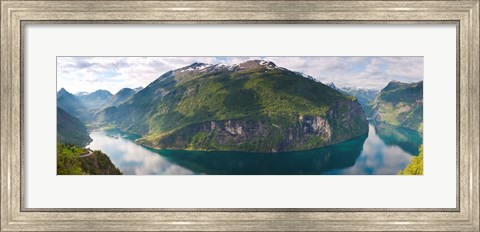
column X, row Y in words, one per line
column 87, row 74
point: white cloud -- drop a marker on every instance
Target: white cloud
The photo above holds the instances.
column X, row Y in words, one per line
column 372, row 72
column 88, row 74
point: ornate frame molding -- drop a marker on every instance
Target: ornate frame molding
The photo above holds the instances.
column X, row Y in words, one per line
column 15, row 14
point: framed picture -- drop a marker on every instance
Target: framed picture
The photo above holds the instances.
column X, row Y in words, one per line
column 239, row 115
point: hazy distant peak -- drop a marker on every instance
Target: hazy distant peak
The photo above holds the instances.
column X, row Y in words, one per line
column 99, row 92
column 344, row 87
column 102, row 92
column 125, row 91
column 62, row 90
column 83, row 93
column 331, row 85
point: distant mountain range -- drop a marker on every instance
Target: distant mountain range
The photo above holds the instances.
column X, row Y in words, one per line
column 120, row 97
column 254, row 106
column 96, row 99
column 365, row 96
column 84, row 105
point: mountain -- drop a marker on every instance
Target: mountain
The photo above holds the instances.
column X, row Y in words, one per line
column 400, row 104
column 72, row 105
column 120, row 97
column 254, row 106
column 138, row 89
column 71, row 130
column 98, row 163
column 307, row 76
column 332, row 85
column 96, row 99
column 365, row 96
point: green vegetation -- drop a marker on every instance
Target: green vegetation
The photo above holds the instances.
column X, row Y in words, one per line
column 69, row 161
column 71, row 130
column 220, row 96
column 415, row 167
column 263, row 103
column 400, row 104
column 72, row 135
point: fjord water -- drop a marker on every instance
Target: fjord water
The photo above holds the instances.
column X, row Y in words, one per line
column 385, row 150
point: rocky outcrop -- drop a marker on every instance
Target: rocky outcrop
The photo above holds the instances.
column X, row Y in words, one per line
column 98, row 163
column 74, row 160
column 344, row 121
column 348, row 120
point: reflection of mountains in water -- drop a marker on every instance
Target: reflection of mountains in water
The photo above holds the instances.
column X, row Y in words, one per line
column 315, row 161
column 407, row 139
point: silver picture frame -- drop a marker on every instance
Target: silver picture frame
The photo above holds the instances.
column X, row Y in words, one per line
column 15, row 15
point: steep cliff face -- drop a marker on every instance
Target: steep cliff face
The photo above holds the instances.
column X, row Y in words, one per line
column 348, row 120
column 344, row 121
column 98, row 163
column 254, row 106
column 74, row 160
column 400, row 104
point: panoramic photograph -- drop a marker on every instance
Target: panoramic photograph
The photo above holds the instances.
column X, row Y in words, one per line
column 228, row 115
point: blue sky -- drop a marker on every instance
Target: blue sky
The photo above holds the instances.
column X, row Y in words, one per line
column 87, row 74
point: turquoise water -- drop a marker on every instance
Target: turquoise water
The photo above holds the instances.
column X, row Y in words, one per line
column 385, row 150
